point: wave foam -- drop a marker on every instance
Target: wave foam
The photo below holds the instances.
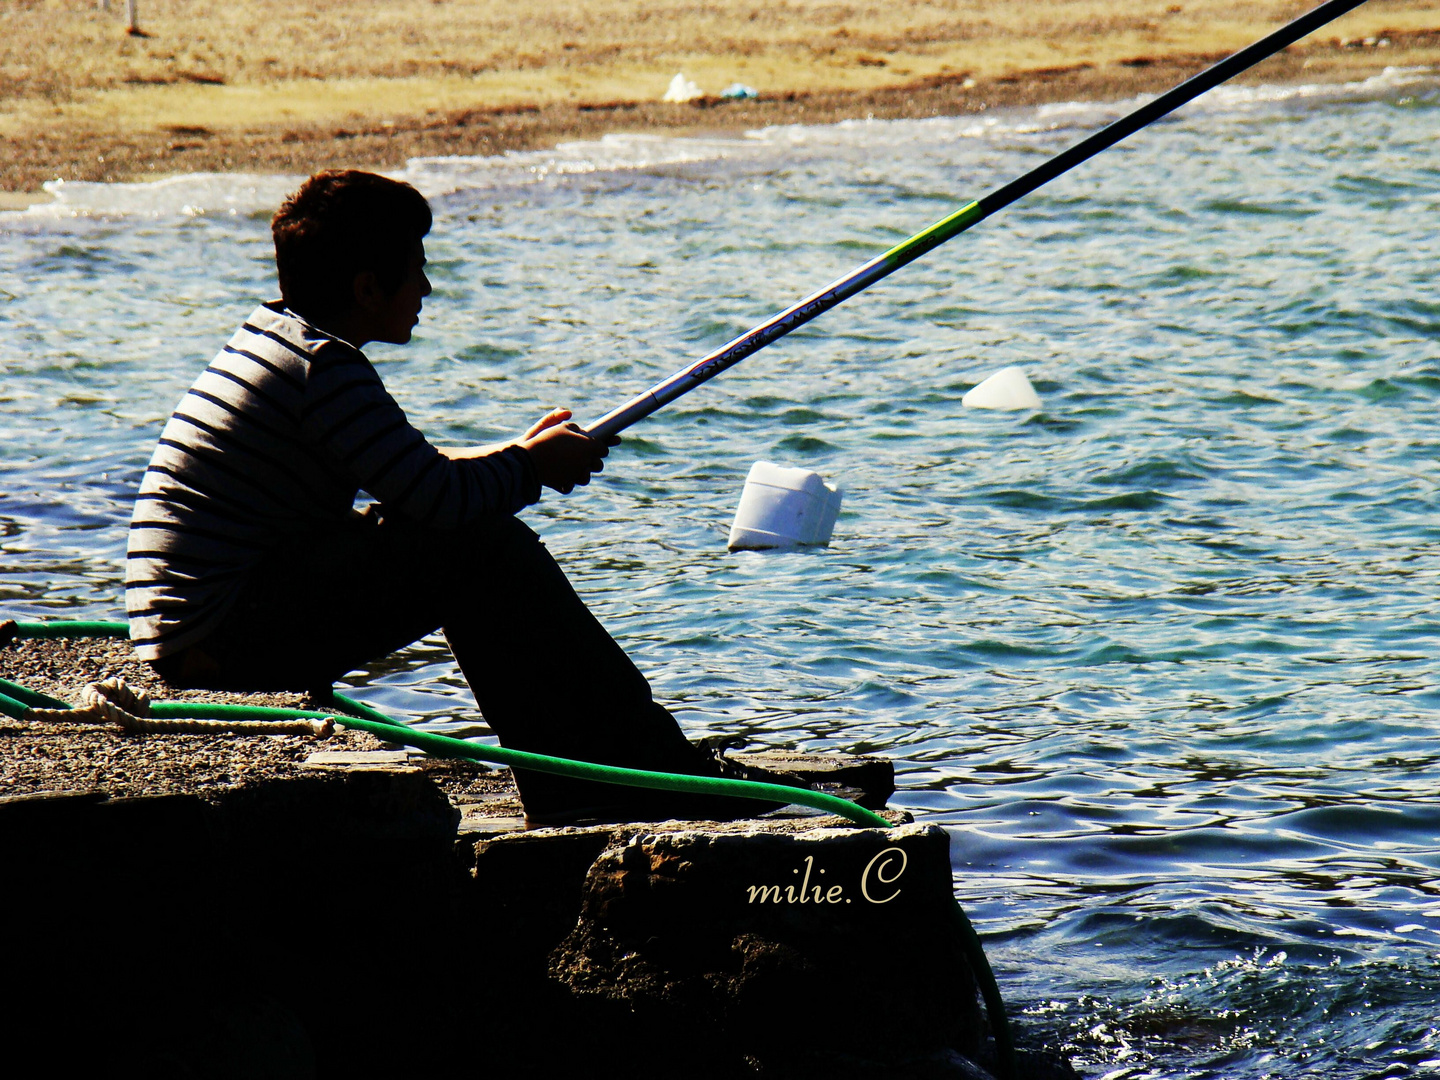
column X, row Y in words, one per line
column 436, row 177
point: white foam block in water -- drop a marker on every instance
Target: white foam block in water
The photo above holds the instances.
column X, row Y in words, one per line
column 682, row 90
column 1008, row 388
column 782, row 508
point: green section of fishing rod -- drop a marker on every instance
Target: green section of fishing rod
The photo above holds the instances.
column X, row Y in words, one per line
column 792, row 318
column 945, row 229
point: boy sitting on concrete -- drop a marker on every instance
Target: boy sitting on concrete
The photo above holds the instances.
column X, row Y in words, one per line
column 249, row 569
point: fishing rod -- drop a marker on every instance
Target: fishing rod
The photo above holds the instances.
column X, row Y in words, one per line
column 773, row 329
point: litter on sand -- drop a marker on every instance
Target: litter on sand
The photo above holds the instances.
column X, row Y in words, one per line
column 682, row 90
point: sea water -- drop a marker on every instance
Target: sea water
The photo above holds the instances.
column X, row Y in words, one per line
column 1161, row 656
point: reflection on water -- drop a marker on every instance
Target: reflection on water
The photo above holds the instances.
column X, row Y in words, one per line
column 1161, row 657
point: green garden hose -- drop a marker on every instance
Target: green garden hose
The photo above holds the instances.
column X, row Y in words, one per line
column 72, row 629
column 17, row 701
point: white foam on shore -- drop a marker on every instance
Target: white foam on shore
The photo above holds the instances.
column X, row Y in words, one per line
column 175, row 196
column 241, row 193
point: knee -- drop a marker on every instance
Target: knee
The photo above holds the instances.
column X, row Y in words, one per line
column 501, row 536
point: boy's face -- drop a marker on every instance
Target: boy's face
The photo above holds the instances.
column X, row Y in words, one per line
column 394, row 316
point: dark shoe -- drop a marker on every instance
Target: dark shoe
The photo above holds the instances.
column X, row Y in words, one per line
column 718, row 763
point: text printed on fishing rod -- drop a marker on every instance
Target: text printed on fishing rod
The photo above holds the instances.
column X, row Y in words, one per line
column 877, row 883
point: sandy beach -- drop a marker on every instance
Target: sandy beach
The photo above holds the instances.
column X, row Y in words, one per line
column 294, row 87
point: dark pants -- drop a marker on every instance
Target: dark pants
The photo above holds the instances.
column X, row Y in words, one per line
column 546, row 675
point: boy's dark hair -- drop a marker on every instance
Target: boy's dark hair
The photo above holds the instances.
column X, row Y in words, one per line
column 339, row 224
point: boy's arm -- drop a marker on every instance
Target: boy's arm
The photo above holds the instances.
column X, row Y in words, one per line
column 564, row 457
column 349, row 414
column 352, row 415
column 464, row 453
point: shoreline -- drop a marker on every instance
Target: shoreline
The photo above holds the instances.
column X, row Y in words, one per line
column 138, row 153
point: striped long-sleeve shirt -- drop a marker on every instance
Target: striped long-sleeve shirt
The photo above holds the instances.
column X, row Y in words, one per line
column 275, row 438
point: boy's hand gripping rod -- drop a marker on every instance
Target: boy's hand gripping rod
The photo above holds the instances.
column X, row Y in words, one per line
column 706, row 368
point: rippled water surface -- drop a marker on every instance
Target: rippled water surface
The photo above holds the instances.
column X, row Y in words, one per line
column 1161, row 656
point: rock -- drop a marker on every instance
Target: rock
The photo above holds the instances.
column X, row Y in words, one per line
column 227, row 934
column 357, row 759
column 532, row 883
column 256, row 930
column 487, row 816
column 753, row 939
column 249, row 905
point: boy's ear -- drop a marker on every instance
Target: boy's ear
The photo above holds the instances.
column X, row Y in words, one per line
column 365, row 289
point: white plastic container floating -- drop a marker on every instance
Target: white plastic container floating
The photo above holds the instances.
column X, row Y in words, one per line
column 781, row 508
column 1008, row 388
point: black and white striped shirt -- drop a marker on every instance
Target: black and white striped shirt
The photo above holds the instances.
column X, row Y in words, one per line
column 275, row 438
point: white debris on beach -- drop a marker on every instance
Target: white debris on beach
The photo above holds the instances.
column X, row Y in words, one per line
column 682, row 90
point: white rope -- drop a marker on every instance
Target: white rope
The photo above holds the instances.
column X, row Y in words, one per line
column 112, row 701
